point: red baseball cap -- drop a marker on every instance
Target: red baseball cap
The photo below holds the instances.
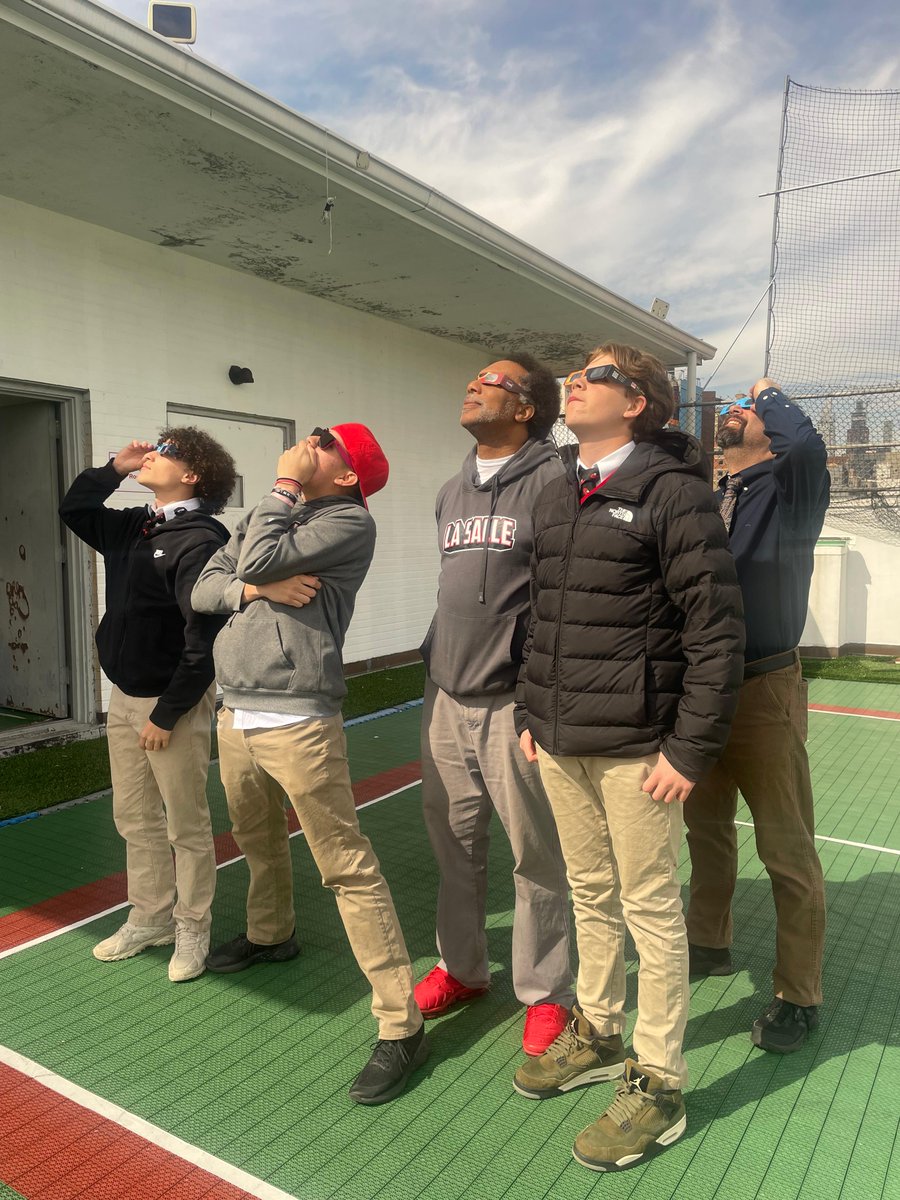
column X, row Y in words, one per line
column 366, row 457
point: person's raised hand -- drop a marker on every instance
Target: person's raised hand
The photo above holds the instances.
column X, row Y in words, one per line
column 131, row 456
column 298, row 462
column 761, row 385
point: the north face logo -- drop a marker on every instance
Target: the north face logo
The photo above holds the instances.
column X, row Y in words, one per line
column 622, row 514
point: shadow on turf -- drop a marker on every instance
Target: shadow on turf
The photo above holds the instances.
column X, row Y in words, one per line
column 861, row 985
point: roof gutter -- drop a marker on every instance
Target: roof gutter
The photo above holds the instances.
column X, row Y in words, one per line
column 111, row 41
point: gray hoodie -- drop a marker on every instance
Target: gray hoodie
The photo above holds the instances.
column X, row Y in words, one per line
column 474, row 645
column 274, row 657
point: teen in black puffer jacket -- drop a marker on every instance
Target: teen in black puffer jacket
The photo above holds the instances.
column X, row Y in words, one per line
column 654, row 667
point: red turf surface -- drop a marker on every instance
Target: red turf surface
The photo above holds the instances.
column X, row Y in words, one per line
column 855, row 712
column 53, row 1149
column 82, row 902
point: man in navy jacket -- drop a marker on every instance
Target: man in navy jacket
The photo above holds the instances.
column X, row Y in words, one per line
column 773, row 502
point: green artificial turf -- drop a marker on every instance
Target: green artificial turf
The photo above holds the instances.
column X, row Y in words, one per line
column 44, row 777
column 255, row 1067
column 40, row 778
column 383, row 689
column 854, row 668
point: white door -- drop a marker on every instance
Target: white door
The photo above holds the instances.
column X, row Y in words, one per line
column 255, row 446
column 32, row 648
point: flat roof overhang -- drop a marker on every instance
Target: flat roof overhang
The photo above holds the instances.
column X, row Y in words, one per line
column 108, row 123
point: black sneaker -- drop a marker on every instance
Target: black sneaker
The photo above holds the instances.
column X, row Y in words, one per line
column 240, row 953
column 710, row 960
column 385, row 1074
column 784, row 1027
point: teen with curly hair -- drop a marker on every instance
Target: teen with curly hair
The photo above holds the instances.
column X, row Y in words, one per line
column 157, row 651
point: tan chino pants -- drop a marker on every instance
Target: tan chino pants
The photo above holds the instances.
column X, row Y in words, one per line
column 160, row 806
column 308, row 761
column 621, row 851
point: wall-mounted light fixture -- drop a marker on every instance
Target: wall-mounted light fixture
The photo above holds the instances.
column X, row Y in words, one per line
column 240, row 374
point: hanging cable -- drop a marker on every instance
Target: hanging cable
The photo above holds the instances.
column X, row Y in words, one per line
column 704, row 386
column 328, row 210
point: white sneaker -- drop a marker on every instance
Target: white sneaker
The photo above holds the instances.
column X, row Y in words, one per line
column 130, row 940
column 189, row 959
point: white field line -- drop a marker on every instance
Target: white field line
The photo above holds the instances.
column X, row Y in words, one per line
column 820, row 837
column 46, row 937
column 137, row 1125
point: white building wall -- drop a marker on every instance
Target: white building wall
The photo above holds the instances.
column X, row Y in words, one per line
column 141, row 326
column 853, row 597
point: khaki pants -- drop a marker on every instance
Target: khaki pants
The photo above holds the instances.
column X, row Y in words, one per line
column 766, row 758
column 621, row 852
column 160, row 806
column 308, row 761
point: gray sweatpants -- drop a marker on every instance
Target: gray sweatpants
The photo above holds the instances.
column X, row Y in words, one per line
column 471, row 765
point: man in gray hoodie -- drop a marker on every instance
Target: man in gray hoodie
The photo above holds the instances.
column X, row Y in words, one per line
column 471, row 764
column 278, row 661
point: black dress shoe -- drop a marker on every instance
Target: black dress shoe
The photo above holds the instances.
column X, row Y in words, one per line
column 784, row 1027
column 710, row 960
column 240, row 953
column 386, row 1073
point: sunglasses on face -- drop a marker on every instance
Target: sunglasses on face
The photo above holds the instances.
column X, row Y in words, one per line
column 498, row 379
column 167, row 450
column 743, row 402
column 599, row 375
column 327, row 439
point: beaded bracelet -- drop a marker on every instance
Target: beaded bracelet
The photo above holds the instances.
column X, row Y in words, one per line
column 277, row 491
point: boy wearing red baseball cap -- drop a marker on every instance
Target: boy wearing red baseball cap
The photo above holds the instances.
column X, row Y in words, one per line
column 278, row 662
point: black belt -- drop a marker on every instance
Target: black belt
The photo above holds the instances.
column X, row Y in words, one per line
column 774, row 662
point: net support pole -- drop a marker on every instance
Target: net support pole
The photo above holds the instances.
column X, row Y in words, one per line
column 690, row 384
column 773, row 260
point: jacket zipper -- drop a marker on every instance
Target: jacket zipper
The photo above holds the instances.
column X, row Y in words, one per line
column 562, row 601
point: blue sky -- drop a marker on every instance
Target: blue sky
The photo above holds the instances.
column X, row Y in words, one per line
column 628, row 140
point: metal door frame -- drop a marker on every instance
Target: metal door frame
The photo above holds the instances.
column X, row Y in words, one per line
column 78, row 574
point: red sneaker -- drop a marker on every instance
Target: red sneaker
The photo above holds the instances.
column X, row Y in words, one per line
column 439, row 991
column 543, row 1025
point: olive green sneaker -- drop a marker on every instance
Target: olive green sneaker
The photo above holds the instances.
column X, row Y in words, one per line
column 644, row 1116
column 576, row 1057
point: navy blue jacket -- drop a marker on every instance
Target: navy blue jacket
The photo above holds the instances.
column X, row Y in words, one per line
column 778, row 517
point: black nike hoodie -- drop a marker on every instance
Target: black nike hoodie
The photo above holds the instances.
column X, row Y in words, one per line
column 150, row 641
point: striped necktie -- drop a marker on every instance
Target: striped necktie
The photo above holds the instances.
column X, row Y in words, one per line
column 729, row 500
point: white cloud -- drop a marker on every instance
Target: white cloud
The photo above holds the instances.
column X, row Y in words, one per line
column 630, row 142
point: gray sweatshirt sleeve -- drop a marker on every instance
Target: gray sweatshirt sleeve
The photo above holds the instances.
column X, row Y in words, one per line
column 218, row 588
column 276, row 546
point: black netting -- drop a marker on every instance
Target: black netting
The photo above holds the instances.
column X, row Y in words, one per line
column 834, row 329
